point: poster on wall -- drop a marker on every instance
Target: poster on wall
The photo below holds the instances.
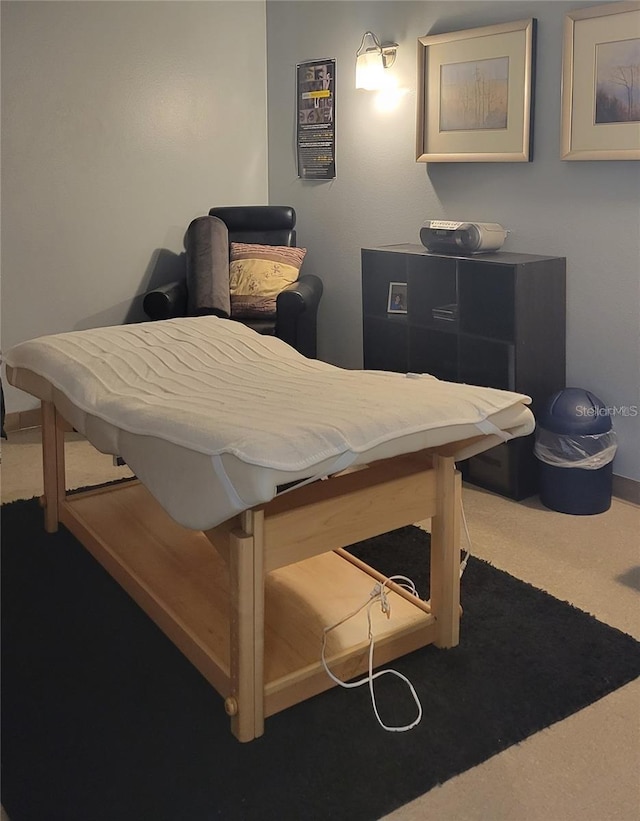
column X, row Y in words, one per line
column 316, row 127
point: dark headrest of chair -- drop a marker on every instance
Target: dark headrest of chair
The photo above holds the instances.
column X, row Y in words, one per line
column 256, row 218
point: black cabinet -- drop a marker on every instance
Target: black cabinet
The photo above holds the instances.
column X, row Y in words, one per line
column 496, row 320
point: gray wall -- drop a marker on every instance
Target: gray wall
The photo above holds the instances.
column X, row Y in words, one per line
column 586, row 211
column 122, row 121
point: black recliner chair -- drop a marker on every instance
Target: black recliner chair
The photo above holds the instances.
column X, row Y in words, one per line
column 294, row 320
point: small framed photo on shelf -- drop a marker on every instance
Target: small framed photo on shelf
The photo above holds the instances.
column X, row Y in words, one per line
column 397, row 302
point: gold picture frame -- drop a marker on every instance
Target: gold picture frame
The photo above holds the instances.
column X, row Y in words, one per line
column 599, row 48
column 475, row 94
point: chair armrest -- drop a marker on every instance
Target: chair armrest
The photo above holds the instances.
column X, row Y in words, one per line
column 167, row 301
column 302, row 295
column 296, row 310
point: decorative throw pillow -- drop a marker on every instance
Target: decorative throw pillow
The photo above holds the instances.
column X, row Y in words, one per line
column 257, row 274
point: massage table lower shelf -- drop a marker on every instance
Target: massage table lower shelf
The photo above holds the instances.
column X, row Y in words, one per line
column 178, row 579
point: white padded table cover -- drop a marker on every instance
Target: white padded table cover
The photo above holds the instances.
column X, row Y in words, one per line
column 213, row 417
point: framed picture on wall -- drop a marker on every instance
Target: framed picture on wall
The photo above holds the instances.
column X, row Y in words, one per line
column 601, row 83
column 475, row 94
column 397, row 302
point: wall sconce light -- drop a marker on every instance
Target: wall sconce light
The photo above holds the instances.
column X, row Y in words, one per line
column 372, row 58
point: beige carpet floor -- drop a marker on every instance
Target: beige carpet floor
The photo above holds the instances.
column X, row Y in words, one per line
column 586, row 768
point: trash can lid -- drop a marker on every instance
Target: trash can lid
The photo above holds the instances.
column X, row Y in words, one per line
column 575, row 410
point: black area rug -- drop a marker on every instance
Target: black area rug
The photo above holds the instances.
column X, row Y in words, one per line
column 104, row 719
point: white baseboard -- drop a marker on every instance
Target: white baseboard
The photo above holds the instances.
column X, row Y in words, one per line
column 626, row 489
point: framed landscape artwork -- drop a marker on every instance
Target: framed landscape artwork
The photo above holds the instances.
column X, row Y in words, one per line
column 601, row 83
column 475, row 94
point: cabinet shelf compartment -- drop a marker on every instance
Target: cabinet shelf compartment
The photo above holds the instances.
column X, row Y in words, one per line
column 509, row 469
column 385, row 343
column 433, row 290
column 486, row 293
column 433, row 352
column 376, row 298
column 486, row 362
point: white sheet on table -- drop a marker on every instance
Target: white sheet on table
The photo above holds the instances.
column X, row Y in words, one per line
column 215, row 387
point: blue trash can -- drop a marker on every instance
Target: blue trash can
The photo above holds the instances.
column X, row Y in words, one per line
column 575, row 445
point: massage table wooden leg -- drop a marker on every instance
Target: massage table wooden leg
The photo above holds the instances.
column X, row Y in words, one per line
column 53, row 464
column 246, row 582
column 445, row 553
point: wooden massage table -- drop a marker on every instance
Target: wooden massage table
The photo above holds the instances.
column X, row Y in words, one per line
column 232, row 535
